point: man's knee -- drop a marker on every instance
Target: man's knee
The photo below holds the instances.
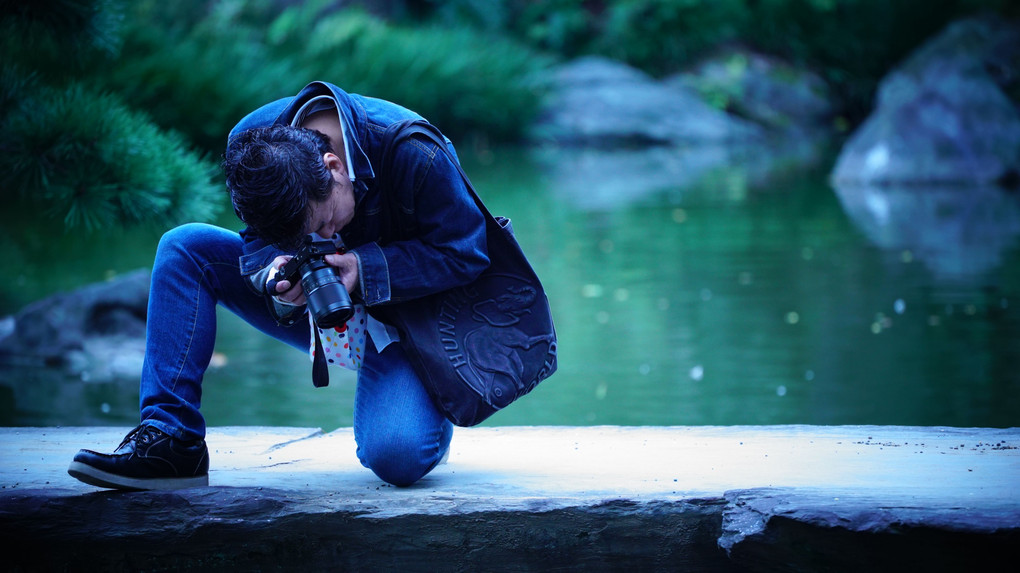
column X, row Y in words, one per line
column 399, row 462
column 187, row 235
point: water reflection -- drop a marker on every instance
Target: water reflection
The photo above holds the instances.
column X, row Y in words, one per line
column 744, row 296
column 605, row 179
column 956, row 232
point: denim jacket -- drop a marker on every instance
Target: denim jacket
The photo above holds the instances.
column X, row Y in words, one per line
column 404, row 251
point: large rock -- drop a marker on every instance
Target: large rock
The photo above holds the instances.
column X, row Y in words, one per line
column 599, row 102
column 738, row 498
column 944, row 116
column 762, row 88
column 613, row 135
column 96, row 331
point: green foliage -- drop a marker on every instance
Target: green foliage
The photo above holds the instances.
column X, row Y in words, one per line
column 54, row 33
column 86, row 159
column 198, row 79
column 653, row 34
column 71, row 152
column 201, row 76
column 852, row 43
column 85, row 83
column 462, row 80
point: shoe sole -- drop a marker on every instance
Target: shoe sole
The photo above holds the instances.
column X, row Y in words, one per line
column 96, row 477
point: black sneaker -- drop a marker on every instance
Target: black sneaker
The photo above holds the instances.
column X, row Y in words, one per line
column 146, row 459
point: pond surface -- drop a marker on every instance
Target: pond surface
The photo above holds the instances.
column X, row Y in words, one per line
column 733, row 298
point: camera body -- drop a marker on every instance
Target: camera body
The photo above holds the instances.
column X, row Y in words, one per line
column 328, row 300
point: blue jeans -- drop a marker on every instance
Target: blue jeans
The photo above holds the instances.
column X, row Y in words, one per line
column 400, row 434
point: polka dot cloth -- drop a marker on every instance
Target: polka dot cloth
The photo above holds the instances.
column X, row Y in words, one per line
column 344, row 345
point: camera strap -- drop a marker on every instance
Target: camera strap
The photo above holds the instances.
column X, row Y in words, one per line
column 320, row 370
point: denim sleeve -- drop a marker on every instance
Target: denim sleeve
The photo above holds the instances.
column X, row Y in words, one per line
column 255, row 260
column 448, row 248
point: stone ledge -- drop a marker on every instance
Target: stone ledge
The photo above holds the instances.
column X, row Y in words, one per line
column 747, row 498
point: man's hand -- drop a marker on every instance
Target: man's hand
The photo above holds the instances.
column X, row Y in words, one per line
column 347, row 267
column 284, row 291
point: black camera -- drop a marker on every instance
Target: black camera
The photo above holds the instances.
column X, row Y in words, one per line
column 327, row 297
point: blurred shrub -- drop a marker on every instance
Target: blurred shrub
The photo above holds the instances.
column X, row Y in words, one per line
column 85, row 83
column 203, row 70
column 92, row 161
column 69, row 151
column 459, row 78
column 852, row 43
column 196, row 67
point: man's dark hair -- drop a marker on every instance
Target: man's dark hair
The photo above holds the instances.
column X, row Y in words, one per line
column 272, row 175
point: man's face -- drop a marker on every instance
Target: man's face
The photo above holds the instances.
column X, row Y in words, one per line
column 329, row 216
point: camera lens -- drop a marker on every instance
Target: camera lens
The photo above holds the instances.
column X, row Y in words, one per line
column 327, row 297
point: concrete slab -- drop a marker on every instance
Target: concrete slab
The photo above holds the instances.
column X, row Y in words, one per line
column 519, row 498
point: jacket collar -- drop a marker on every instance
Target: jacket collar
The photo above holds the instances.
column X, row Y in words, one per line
column 354, row 122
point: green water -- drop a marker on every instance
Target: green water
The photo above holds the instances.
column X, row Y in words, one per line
column 719, row 303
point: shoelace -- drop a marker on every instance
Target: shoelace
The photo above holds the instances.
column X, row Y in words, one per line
column 142, row 434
